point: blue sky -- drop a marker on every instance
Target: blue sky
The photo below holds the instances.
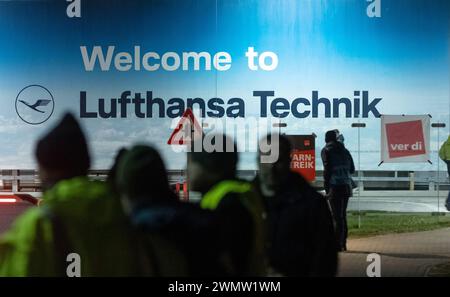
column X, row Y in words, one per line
column 324, row 45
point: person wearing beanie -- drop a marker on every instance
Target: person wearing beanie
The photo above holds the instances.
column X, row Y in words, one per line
column 78, row 217
column 142, row 177
column 62, row 153
column 337, row 169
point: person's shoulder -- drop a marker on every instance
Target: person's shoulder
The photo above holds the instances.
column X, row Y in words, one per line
column 232, row 204
column 78, row 187
column 190, row 212
column 31, row 216
column 348, row 155
column 298, row 180
column 230, row 200
column 330, row 147
column 347, row 151
column 305, row 187
column 80, row 199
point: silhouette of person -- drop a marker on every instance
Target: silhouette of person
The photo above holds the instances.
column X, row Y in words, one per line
column 78, row 216
column 337, row 169
column 236, row 210
column 301, row 239
column 444, row 154
column 174, row 233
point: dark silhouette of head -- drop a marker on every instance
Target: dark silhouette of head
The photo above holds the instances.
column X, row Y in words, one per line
column 210, row 165
column 62, row 153
column 274, row 174
column 112, row 174
column 141, row 177
column 330, row 136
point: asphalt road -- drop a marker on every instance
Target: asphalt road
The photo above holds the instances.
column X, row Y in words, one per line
column 399, row 203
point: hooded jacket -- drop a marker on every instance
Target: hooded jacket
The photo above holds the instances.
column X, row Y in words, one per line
column 337, row 165
column 444, row 151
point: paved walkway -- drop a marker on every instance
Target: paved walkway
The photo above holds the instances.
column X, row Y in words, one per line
column 407, row 254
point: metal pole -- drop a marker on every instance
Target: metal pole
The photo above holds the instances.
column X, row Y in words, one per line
column 359, row 125
column 438, row 125
column 359, row 177
column 191, row 148
column 439, row 174
column 279, row 125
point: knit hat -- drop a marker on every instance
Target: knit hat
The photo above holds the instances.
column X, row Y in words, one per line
column 64, row 148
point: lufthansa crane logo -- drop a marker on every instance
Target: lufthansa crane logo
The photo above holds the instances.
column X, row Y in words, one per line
column 34, row 104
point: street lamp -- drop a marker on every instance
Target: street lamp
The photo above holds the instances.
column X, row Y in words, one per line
column 359, row 125
column 438, row 125
column 190, row 129
column 279, row 125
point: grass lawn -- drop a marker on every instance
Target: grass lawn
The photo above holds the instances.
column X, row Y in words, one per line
column 377, row 223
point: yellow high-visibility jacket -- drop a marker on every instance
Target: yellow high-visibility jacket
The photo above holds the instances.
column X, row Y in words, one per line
column 257, row 261
column 444, row 152
column 93, row 225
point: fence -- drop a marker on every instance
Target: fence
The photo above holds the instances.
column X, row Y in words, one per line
column 19, row 180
